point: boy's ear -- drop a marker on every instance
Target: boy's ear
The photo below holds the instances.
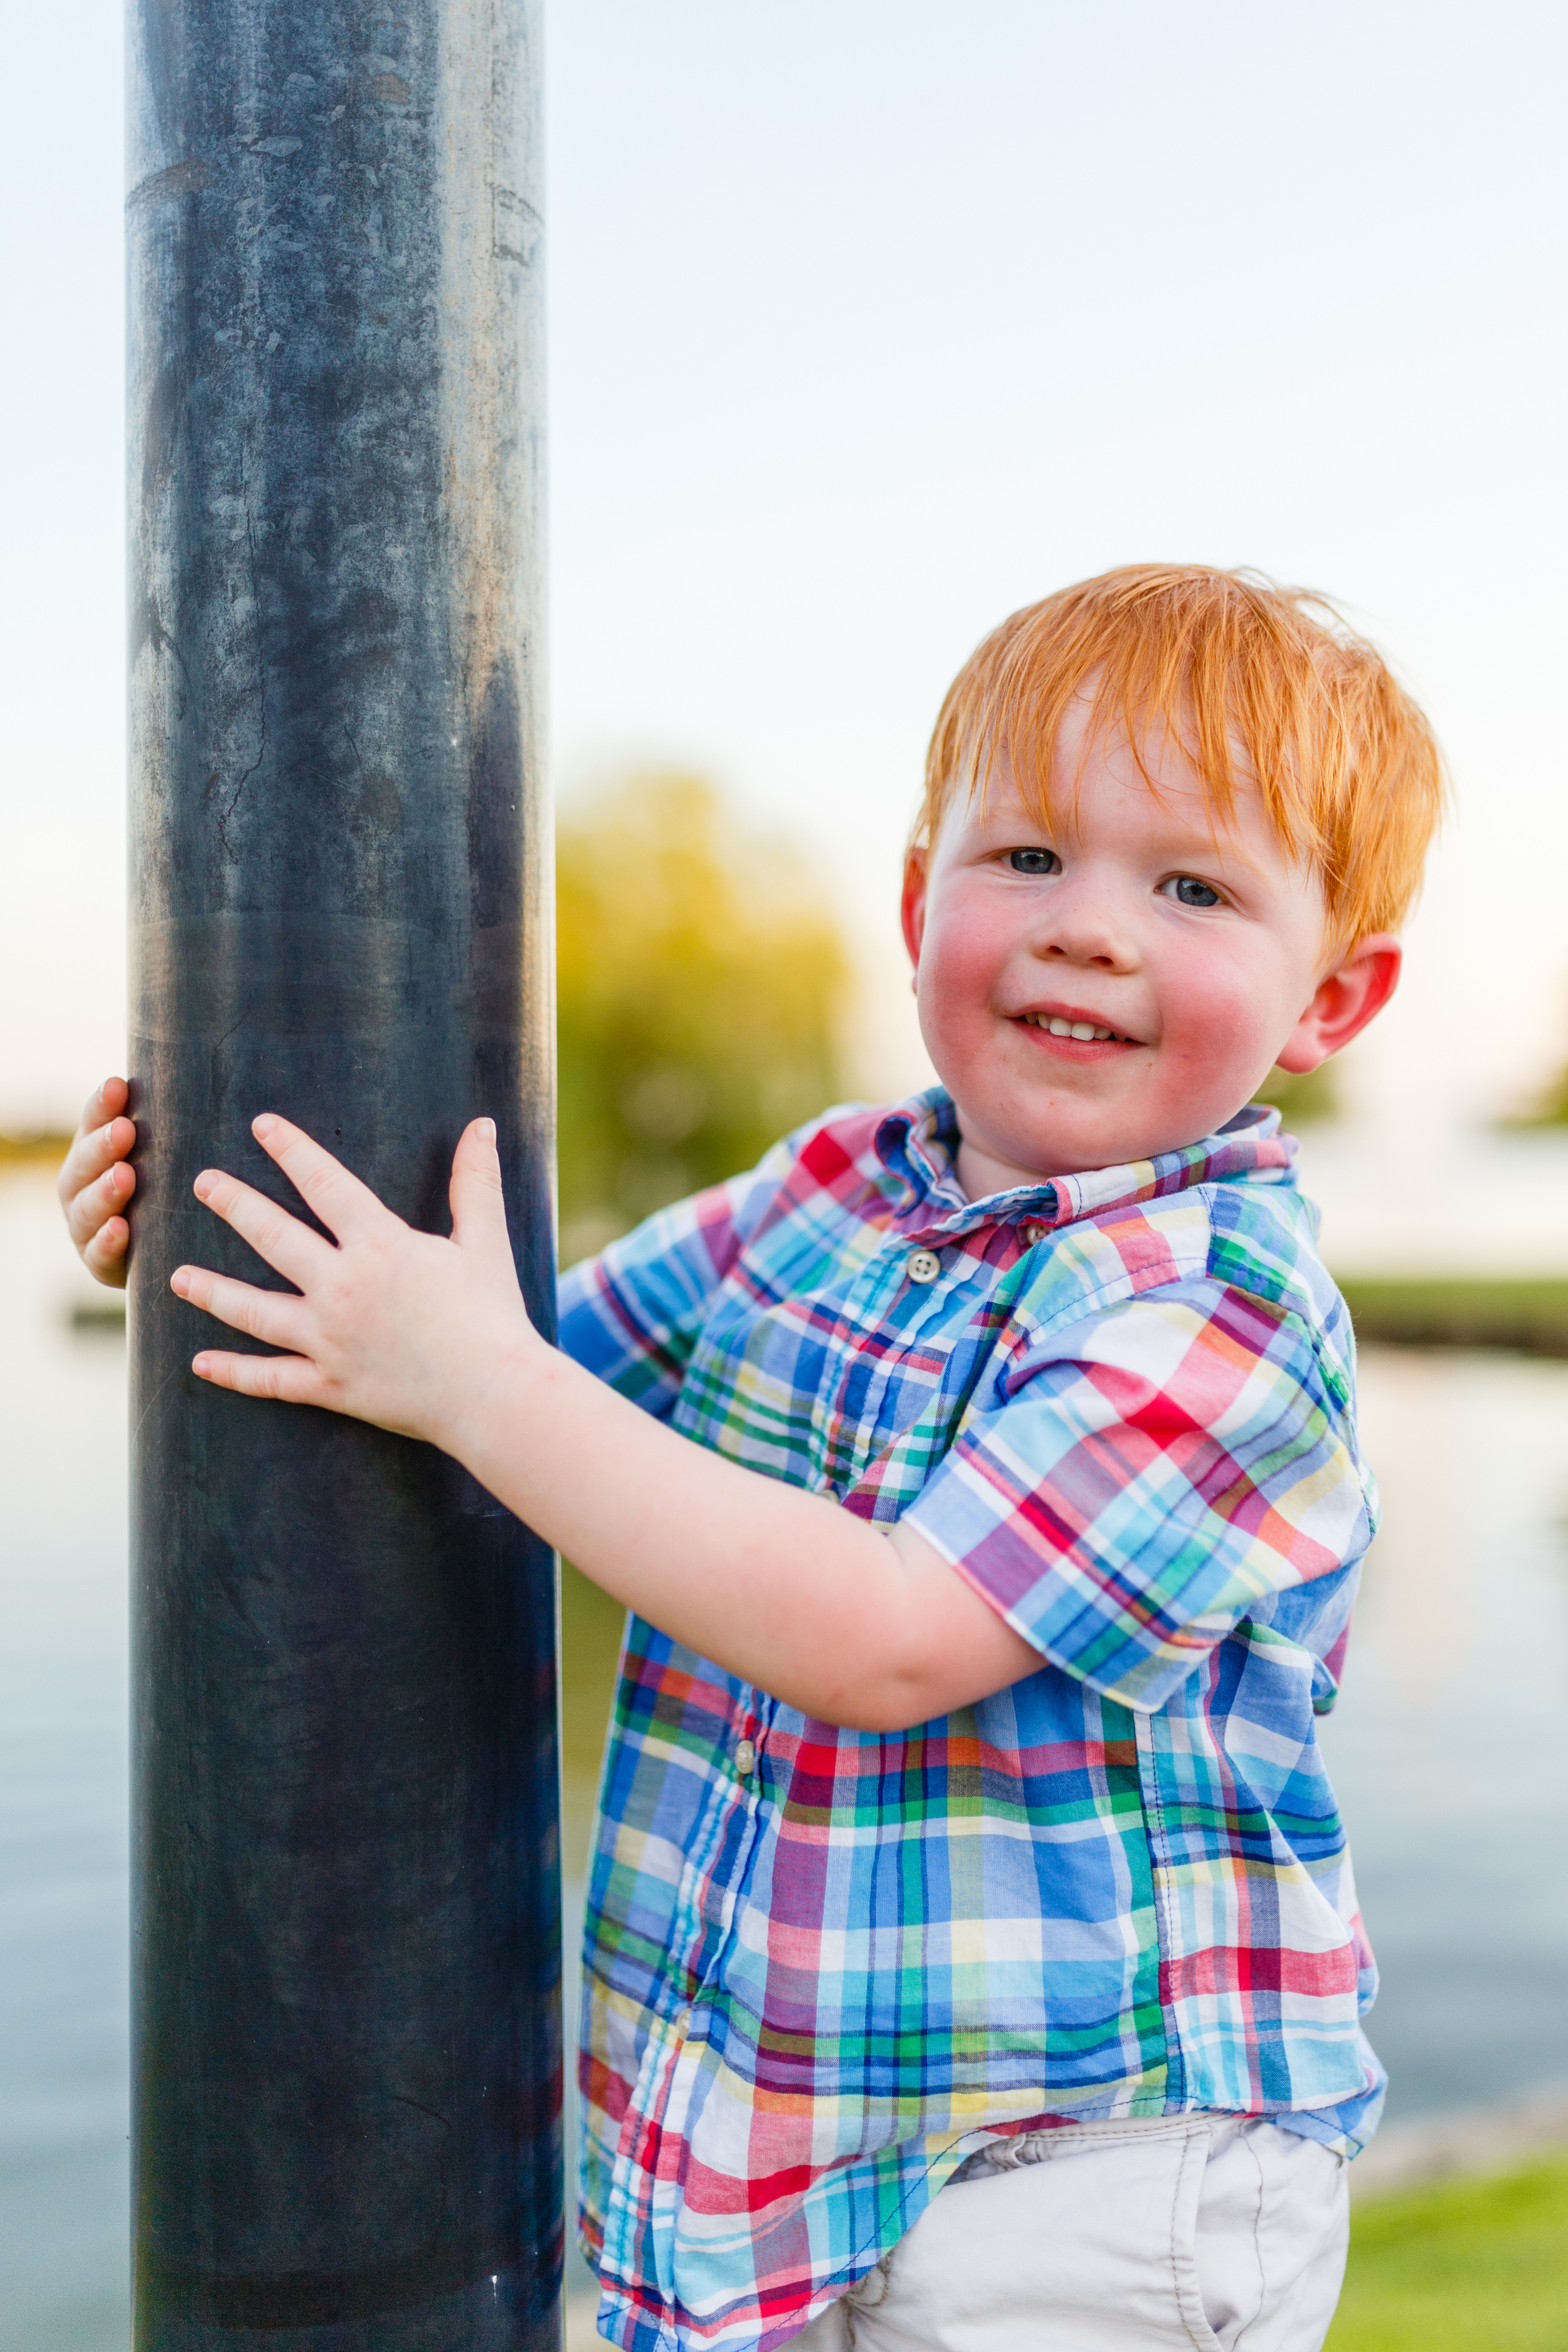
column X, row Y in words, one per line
column 1346, row 999
column 912, row 908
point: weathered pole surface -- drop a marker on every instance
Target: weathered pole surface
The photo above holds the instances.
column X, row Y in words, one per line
column 346, row 1941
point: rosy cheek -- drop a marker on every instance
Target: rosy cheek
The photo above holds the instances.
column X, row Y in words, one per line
column 962, row 961
column 1214, row 1016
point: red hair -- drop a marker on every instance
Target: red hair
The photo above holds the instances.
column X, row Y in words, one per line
column 1218, row 662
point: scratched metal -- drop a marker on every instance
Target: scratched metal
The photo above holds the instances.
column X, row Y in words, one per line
column 346, row 1941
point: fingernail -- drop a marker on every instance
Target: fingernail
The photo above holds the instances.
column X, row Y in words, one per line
column 262, row 1128
column 202, row 1184
column 199, row 1366
column 488, row 1129
column 179, row 1281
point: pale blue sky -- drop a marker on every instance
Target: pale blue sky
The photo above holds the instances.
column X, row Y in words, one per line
column 871, row 322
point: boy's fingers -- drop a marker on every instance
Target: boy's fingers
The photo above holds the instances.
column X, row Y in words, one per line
column 104, row 1254
column 344, row 1205
column 94, row 1150
column 275, row 1317
column 290, row 1379
column 478, row 1209
column 292, row 1248
column 90, row 1204
column 95, row 1142
column 105, row 1102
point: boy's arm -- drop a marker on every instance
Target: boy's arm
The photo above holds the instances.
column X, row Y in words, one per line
column 855, row 1625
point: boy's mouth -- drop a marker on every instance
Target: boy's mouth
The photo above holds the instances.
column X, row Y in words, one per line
column 1078, row 1033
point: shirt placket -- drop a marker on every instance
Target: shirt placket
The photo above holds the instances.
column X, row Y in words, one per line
column 918, row 1260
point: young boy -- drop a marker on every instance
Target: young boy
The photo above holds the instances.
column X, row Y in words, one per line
column 971, row 1957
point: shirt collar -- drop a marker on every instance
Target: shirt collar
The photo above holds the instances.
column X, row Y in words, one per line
column 917, row 1143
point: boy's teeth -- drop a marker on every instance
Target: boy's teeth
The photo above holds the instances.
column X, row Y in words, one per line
column 1084, row 1030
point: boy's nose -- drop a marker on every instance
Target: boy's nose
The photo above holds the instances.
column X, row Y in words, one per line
column 1086, row 933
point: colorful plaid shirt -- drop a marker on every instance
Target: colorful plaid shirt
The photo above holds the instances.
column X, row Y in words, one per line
column 823, row 1967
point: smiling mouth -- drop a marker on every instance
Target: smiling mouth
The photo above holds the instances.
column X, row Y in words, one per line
column 1083, row 1032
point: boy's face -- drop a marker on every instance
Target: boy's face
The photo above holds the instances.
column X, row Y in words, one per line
column 1201, row 953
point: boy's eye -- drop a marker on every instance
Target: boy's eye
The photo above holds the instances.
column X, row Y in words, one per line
column 1188, row 891
column 1035, row 861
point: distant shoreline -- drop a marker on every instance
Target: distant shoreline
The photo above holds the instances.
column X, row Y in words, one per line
column 1520, row 1314
column 1462, row 2141
column 1523, row 1316
column 46, row 1149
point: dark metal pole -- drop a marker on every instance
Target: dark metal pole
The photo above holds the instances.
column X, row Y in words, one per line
column 346, row 1963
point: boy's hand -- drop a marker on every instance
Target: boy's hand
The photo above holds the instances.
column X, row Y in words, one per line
column 431, row 1338
column 96, row 1183
column 402, row 1328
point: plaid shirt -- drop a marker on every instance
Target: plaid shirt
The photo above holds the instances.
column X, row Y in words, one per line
column 824, row 1966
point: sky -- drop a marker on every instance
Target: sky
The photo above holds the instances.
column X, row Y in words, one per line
column 869, row 323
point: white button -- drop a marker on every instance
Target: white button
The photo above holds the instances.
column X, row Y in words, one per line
column 922, row 1266
column 683, row 2023
column 746, row 1759
column 1033, row 1234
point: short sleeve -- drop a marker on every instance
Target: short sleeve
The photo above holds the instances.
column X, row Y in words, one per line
column 1149, row 1477
column 631, row 1316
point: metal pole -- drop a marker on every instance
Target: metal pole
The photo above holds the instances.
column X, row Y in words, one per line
column 346, row 1939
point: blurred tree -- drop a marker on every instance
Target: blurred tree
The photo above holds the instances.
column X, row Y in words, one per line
column 1302, row 1100
column 700, row 977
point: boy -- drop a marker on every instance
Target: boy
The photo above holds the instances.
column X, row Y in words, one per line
column 971, row 1958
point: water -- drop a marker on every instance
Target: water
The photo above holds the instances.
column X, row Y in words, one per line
column 1449, row 1748
column 1450, row 1751
column 63, row 2154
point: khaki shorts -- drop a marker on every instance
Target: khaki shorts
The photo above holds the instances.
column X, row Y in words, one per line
column 1187, row 2233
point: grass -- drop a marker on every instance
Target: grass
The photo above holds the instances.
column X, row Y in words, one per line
column 1438, row 1311
column 1475, row 2265
column 591, row 1626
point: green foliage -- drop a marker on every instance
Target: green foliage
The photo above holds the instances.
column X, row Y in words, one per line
column 1552, row 1108
column 1301, row 1101
column 699, row 981
column 1468, row 2266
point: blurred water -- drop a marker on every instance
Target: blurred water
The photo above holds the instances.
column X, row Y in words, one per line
column 63, row 2154
column 1450, row 1751
column 1449, row 1748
